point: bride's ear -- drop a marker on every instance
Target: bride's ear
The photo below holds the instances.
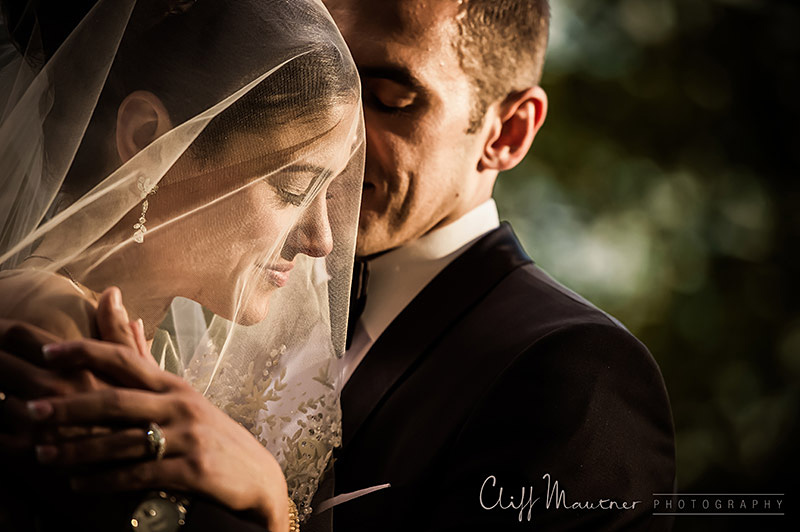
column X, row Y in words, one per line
column 141, row 119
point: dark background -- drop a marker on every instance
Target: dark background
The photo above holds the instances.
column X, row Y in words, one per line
column 663, row 188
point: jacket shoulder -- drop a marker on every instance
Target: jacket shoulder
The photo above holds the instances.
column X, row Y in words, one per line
column 533, row 292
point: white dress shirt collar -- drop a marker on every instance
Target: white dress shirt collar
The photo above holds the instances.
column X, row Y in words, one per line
column 396, row 277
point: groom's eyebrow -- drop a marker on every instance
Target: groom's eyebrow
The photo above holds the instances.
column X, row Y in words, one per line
column 398, row 74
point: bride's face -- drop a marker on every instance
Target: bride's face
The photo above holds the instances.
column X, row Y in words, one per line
column 235, row 221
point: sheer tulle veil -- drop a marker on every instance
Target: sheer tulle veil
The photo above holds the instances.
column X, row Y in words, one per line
column 206, row 157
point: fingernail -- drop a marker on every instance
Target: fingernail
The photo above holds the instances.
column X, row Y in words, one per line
column 116, row 299
column 46, row 453
column 39, row 410
column 137, row 326
column 51, row 351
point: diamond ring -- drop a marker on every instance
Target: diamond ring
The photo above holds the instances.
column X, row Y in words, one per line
column 156, row 441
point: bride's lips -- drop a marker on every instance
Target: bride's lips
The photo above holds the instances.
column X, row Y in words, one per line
column 277, row 274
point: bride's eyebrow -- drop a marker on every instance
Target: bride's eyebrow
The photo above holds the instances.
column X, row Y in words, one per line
column 259, row 167
column 269, row 169
column 318, row 174
column 305, row 169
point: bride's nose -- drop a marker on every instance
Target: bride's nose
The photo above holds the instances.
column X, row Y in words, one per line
column 312, row 234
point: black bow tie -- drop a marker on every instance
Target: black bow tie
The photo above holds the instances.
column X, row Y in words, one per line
column 358, row 297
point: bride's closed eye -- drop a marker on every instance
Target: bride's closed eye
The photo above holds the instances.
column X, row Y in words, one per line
column 294, row 183
column 293, row 198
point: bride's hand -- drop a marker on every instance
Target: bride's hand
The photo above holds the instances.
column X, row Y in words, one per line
column 206, row 451
column 24, row 375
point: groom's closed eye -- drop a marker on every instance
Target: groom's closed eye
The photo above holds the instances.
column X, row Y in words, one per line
column 388, row 96
column 391, row 89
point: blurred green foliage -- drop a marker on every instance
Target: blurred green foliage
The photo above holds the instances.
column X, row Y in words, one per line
column 663, row 187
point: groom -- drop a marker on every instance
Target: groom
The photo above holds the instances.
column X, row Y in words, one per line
column 487, row 396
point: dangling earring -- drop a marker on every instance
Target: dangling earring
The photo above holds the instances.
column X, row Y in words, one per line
column 148, row 190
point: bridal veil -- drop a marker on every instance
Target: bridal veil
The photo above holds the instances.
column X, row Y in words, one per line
column 206, row 157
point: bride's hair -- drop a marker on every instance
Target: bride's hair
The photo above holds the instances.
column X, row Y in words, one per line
column 187, row 43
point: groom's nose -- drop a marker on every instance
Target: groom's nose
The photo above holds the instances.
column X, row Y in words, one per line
column 312, row 234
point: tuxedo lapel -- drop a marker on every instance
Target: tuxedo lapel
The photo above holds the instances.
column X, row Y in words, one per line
column 454, row 291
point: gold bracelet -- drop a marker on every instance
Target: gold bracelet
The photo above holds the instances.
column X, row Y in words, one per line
column 294, row 518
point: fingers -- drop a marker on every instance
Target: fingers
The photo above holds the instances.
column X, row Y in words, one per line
column 100, row 408
column 22, row 379
column 112, row 319
column 126, row 444
column 141, row 342
column 121, row 363
column 24, row 341
column 13, row 414
column 22, row 371
column 115, row 326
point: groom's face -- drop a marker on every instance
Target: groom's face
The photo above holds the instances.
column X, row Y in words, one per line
column 420, row 168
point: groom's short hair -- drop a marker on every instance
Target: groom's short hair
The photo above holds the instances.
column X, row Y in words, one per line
column 501, row 46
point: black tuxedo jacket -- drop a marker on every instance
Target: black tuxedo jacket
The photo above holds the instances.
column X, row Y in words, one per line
column 496, row 376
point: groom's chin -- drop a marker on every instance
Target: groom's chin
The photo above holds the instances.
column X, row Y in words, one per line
column 374, row 235
column 367, row 247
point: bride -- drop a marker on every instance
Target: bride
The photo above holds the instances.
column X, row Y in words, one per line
column 206, row 158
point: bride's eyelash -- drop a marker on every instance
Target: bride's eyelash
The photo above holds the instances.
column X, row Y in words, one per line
column 282, row 185
column 289, row 176
column 290, row 197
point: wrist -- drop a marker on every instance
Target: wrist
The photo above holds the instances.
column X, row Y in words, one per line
column 273, row 505
column 276, row 513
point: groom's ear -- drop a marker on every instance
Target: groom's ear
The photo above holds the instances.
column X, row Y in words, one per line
column 141, row 119
column 512, row 126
